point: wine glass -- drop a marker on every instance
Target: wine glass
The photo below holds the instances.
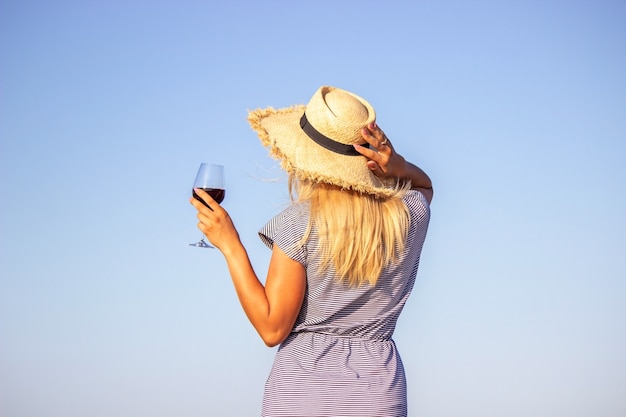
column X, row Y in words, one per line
column 210, row 178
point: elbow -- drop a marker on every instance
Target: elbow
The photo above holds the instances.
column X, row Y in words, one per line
column 270, row 343
column 275, row 338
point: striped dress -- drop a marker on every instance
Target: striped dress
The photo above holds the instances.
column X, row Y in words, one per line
column 340, row 359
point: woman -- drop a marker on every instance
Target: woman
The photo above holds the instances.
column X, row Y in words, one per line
column 344, row 259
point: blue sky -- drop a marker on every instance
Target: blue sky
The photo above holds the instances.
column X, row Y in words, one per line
column 517, row 110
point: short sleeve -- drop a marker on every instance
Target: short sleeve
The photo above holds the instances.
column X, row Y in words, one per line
column 286, row 230
column 417, row 204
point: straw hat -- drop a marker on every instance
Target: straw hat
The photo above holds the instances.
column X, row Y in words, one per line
column 315, row 142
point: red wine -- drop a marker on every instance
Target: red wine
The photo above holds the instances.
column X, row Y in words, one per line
column 217, row 194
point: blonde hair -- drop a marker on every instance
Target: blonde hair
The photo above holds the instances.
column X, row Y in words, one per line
column 359, row 233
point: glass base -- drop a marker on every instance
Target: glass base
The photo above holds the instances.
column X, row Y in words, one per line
column 202, row 244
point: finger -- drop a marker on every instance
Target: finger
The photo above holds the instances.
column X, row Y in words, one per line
column 372, row 141
column 367, row 134
column 376, row 135
column 375, row 168
column 376, row 132
column 201, row 206
column 367, row 152
column 196, row 204
column 380, row 139
column 203, row 199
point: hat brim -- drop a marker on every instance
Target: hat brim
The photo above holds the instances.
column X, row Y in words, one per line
column 280, row 132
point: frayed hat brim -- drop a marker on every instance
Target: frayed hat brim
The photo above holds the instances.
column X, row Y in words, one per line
column 280, row 132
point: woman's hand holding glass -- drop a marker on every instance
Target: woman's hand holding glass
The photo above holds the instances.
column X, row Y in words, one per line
column 214, row 222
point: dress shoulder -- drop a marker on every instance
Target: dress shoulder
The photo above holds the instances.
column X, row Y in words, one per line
column 417, row 203
column 286, row 230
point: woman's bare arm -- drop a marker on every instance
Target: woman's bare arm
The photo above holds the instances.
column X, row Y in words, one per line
column 271, row 308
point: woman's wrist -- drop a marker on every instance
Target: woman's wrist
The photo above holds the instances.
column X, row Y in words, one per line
column 418, row 178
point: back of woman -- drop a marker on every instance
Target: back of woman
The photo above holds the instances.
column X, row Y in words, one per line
column 344, row 260
column 340, row 358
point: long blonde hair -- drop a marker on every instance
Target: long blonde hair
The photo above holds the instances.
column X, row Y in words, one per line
column 359, row 233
